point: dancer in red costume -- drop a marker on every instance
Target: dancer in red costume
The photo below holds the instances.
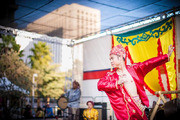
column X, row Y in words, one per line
column 124, row 85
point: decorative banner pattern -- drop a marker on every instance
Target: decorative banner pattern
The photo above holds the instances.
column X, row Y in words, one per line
column 148, row 42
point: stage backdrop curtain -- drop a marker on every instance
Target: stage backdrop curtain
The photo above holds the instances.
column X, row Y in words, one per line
column 148, row 42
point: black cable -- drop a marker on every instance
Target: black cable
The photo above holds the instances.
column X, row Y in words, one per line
column 108, row 5
column 133, row 21
column 32, row 11
column 57, row 14
column 124, row 8
column 118, row 15
column 116, row 26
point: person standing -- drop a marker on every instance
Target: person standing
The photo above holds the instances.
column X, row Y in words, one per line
column 73, row 95
column 90, row 113
column 39, row 112
column 28, row 112
column 124, row 85
column 49, row 111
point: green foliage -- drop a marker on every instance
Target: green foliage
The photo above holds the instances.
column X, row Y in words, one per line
column 50, row 81
column 53, row 82
column 8, row 43
column 15, row 70
column 41, row 56
column 12, row 69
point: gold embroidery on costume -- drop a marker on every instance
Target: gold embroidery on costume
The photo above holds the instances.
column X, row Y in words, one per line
column 125, row 102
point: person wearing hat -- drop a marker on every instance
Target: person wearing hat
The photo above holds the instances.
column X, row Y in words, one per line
column 90, row 113
column 73, row 95
column 124, row 85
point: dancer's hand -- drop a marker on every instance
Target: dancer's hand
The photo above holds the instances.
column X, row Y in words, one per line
column 122, row 79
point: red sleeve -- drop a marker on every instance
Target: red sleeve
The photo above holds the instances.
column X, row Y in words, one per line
column 106, row 84
column 152, row 63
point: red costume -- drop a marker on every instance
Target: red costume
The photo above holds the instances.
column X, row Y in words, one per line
column 124, row 106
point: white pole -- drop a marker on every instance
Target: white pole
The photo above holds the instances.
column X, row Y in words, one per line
column 34, row 75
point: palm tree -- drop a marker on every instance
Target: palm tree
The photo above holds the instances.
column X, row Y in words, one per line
column 8, row 42
column 50, row 81
column 41, row 56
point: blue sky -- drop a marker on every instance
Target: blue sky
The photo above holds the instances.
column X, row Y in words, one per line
column 113, row 12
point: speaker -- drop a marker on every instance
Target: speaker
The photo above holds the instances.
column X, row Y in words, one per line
column 172, row 109
column 102, row 109
column 99, row 113
column 81, row 113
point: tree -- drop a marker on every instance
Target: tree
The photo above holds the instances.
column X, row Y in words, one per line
column 15, row 75
column 10, row 64
column 19, row 75
column 15, row 70
column 53, row 82
column 41, row 56
column 50, row 81
column 8, row 43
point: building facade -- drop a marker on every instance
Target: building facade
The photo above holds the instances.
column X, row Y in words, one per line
column 69, row 21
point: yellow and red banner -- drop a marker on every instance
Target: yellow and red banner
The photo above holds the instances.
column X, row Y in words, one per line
column 148, row 42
